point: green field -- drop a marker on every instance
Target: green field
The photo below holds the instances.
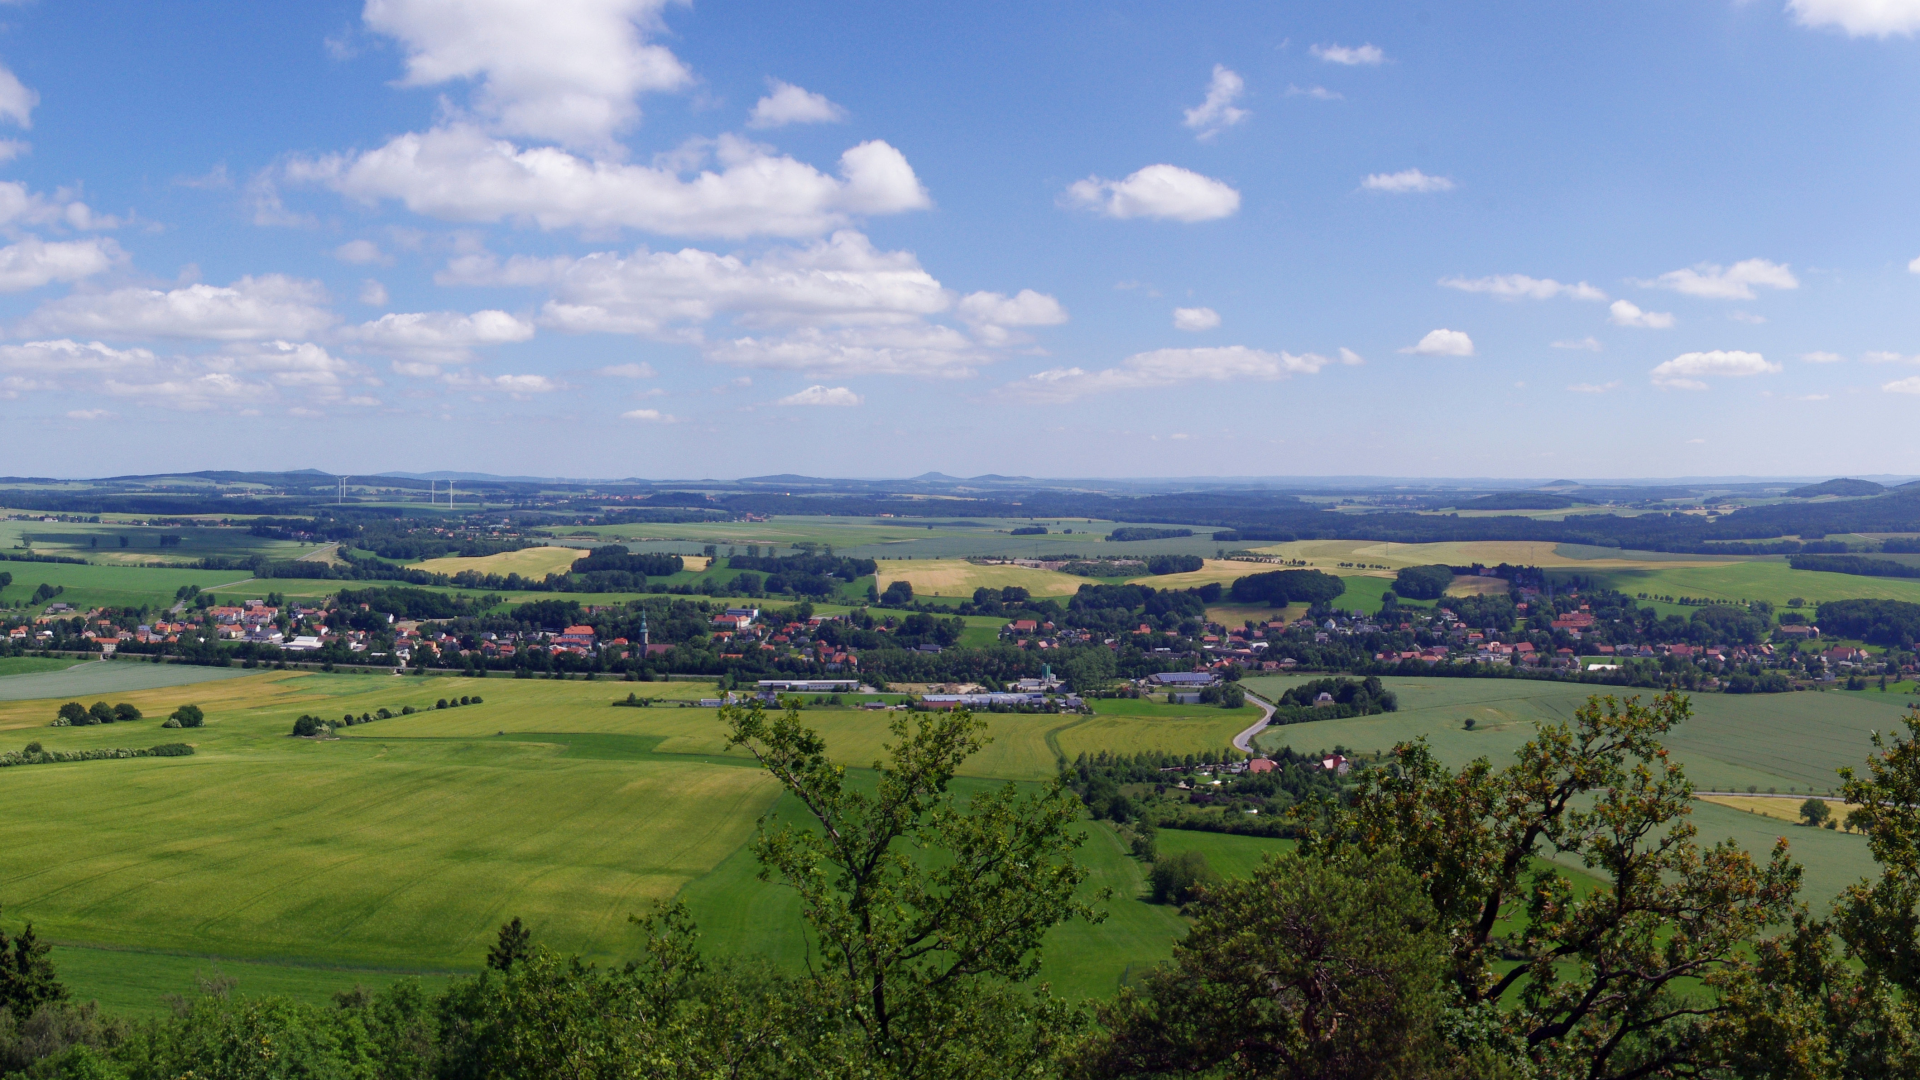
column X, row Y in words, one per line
column 100, row 543
column 1785, row 743
column 304, row 866
column 89, row 586
column 1759, row 579
column 33, row 665
column 72, row 679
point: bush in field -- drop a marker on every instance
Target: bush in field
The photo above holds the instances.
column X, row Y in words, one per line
column 187, row 716
column 126, row 713
column 308, row 726
column 102, row 713
column 1423, row 582
column 73, row 714
column 1178, row 879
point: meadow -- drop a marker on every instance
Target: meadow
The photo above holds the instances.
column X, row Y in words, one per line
column 533, row 562
column 1790, row 743
column 308, row 865
column 88, row 585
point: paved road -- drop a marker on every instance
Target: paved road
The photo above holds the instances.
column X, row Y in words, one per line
column 1244, row 740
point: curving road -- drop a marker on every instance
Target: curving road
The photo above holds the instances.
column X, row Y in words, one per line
column 1244, row 740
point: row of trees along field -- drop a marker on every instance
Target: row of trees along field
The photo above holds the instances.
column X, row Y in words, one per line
column 1415, row 932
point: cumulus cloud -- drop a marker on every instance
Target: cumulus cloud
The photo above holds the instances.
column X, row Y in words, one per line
column 1350, row 55
column 1627, row 313
column 252, row 308
column 1859, row 18
column 822, row 395
column 566, row 70
column 1027, row 308
column 438, row 337
column 1821, row 357
column 628, row 371
column 1406, row 181
column 1593, row 388
column 21, row 206
column 17, row 101
column 66, row 357
column 1195, row 319
column 241, row 375
column 1218, row 112
column 1157, row 191
column 1883, row 356
column 1685, row 371
column 33, row 262
column 1734, row 282
column 912, row 349
column 652, row 416
column 458, row 173
column 360, row 252
column 786, row 104
column 1442, row 343
column 373, row 294
column 1520, row 286
column 1165, row 367
column 1909, row 385
column 1317, row 93
column 515, row 385
column 90, row 414
column 1589, row 344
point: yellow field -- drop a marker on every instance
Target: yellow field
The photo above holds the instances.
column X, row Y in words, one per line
column 958, row 577
column 1322, row 554
column 535, row 562
column 1223, row 571
column 1236, row 615
column 1784, row 809
column 1475, row 585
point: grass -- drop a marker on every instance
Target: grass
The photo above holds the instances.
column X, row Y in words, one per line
column 535, row 562
column 100, row 543
column 1758, row 579
column 959, row 578
column 90, row 586
column 76, row 679
column 307, row 866
column 30, row 665
column 1790, row 743
column 1787, row 809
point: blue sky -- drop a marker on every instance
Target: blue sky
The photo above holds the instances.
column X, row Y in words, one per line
column 622, row 237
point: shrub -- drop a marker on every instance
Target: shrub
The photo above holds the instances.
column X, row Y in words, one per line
column 189, row 716
column 1178, row 879
column 308, row 726
column 441, row 704
column 73, row 714
column 33, row 747
column 101, row 712
column 464, row 700
column 126, row 713
column 406, row 710
column 171, row 722
column 384, row 714
column 476, row 699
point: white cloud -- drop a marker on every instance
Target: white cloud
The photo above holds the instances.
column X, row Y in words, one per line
column 628, row 371
column 1685, row 371
column 33, row 262
column 1734, row 282
column 360, row 253
column 1442, row 343
column 1627, row 313
column 459, row 174
column 1165, row 367
column 19, row 206
column 1822, row 357
column 1747, row 317
column 438, row 337
column 1351, row 358
column 1028, row 308
column 914, row 349
column 72, row 358
column 1859, row 18
column 788, row 104
column 195, row 393
column 373, row 294
column 515, row 385
column 1589, row 344
column 1405, row 181
column 16, row 99
column 1351, row 56
column 90, row 414
column 1520, row 286
column 1195, row 319
column 566, row 70
column 1909, row 385
column 1882, row 356
column 1593, row 388
column 842, row 279
column 1157, row 191
column 654, row 416
column 822, row 395
column 252, row 308
column 1217, row 112
column 1913, row 267
column 1317, row 93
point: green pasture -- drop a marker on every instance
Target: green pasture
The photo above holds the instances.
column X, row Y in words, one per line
column 306, row 866
column 34, row 665
column 101, row 542
column 1782, row 743
column 89, row 586
column 91, row 678
column 1759, row 579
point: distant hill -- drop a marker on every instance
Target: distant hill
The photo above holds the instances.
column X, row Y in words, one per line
column 1840, row 486
column 1518, row 500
